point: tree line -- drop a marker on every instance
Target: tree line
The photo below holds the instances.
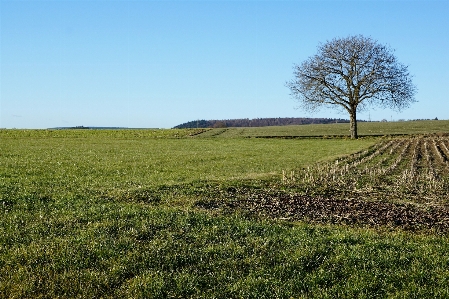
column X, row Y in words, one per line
column 258, row 122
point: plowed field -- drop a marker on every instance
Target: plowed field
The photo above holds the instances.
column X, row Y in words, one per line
column 401, row 182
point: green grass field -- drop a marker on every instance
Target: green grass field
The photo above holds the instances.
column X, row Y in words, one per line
column 364, row 129
column 118, row 214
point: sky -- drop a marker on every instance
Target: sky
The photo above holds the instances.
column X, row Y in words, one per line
column 157, row 64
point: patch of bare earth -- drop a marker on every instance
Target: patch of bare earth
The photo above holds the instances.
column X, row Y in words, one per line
column 339, row 211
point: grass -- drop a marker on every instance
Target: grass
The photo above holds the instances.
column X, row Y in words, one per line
column 364, row 129
column 105, row 162
column 113, row 214
column 127, row 250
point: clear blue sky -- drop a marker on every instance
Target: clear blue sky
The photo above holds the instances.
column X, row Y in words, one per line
column 162, row 63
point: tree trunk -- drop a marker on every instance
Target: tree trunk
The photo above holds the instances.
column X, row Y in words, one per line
column 353, row 124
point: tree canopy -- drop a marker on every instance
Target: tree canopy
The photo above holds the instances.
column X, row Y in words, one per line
column 352, row 73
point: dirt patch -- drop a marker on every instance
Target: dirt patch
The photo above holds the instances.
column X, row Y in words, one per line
column 337, row 211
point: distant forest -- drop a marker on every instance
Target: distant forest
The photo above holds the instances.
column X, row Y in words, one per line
column 259, row 122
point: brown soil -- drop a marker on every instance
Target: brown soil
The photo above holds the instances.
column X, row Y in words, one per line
column 338, row 211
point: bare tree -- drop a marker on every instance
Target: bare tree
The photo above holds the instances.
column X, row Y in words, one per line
column 352, row 73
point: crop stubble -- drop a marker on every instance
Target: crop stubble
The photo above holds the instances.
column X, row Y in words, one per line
column 400, row 182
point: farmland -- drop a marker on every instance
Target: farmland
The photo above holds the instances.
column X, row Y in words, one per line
column 399, row 182
column 328, row 130
column 218, row 214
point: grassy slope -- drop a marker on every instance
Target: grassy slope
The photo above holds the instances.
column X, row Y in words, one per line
column 104, row 162
column 364, row 129
column 112, row 214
